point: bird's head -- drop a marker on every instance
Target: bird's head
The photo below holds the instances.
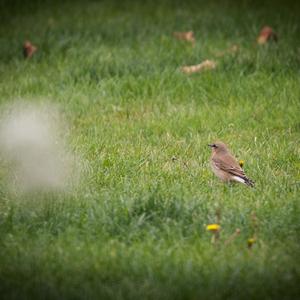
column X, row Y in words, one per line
column 218, row 147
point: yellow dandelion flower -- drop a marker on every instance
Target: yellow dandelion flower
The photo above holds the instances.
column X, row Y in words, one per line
column 250, row 242
column 241, row 163
column 213, row 227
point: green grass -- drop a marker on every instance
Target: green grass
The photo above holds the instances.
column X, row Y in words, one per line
column 135, row 226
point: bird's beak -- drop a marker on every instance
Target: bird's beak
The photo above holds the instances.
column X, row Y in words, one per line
column 210, row 145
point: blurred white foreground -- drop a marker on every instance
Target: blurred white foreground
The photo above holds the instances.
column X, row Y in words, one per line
column 33, row 148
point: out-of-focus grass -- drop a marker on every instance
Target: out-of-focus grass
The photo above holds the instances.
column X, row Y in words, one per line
column 135, row 227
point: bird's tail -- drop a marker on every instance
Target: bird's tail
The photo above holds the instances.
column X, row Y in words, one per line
column 248, row 181
column 244, row 180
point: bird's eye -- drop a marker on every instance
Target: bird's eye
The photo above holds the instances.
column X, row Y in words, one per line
column 215, row 146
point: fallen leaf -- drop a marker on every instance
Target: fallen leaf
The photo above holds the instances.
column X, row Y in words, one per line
column 185, row 36
column 28, row 49
column 231, row 50
column 205, row 65
column 267, row 34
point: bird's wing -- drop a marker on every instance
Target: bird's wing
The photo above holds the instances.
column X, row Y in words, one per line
column 228, row 164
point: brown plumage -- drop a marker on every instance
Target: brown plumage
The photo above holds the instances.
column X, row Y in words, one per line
column 225, row 166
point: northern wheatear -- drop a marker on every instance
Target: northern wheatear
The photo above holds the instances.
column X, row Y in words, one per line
column 225, row 166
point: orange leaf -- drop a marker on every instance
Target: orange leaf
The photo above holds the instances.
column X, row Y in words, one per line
column 28, row 49
column 205, row 65
column 185, row 36
column 267, row 34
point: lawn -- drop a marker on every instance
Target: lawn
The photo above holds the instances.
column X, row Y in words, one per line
column 134, row 227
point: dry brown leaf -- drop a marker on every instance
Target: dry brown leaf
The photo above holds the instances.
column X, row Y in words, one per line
column 231, row 50
column 28, row 49
column 267, row 34
column 185, row 36
column 205, row 65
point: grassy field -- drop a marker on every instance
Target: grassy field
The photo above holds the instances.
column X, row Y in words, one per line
column 135, row 226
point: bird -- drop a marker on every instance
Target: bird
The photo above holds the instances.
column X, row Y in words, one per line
column 225, row 166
